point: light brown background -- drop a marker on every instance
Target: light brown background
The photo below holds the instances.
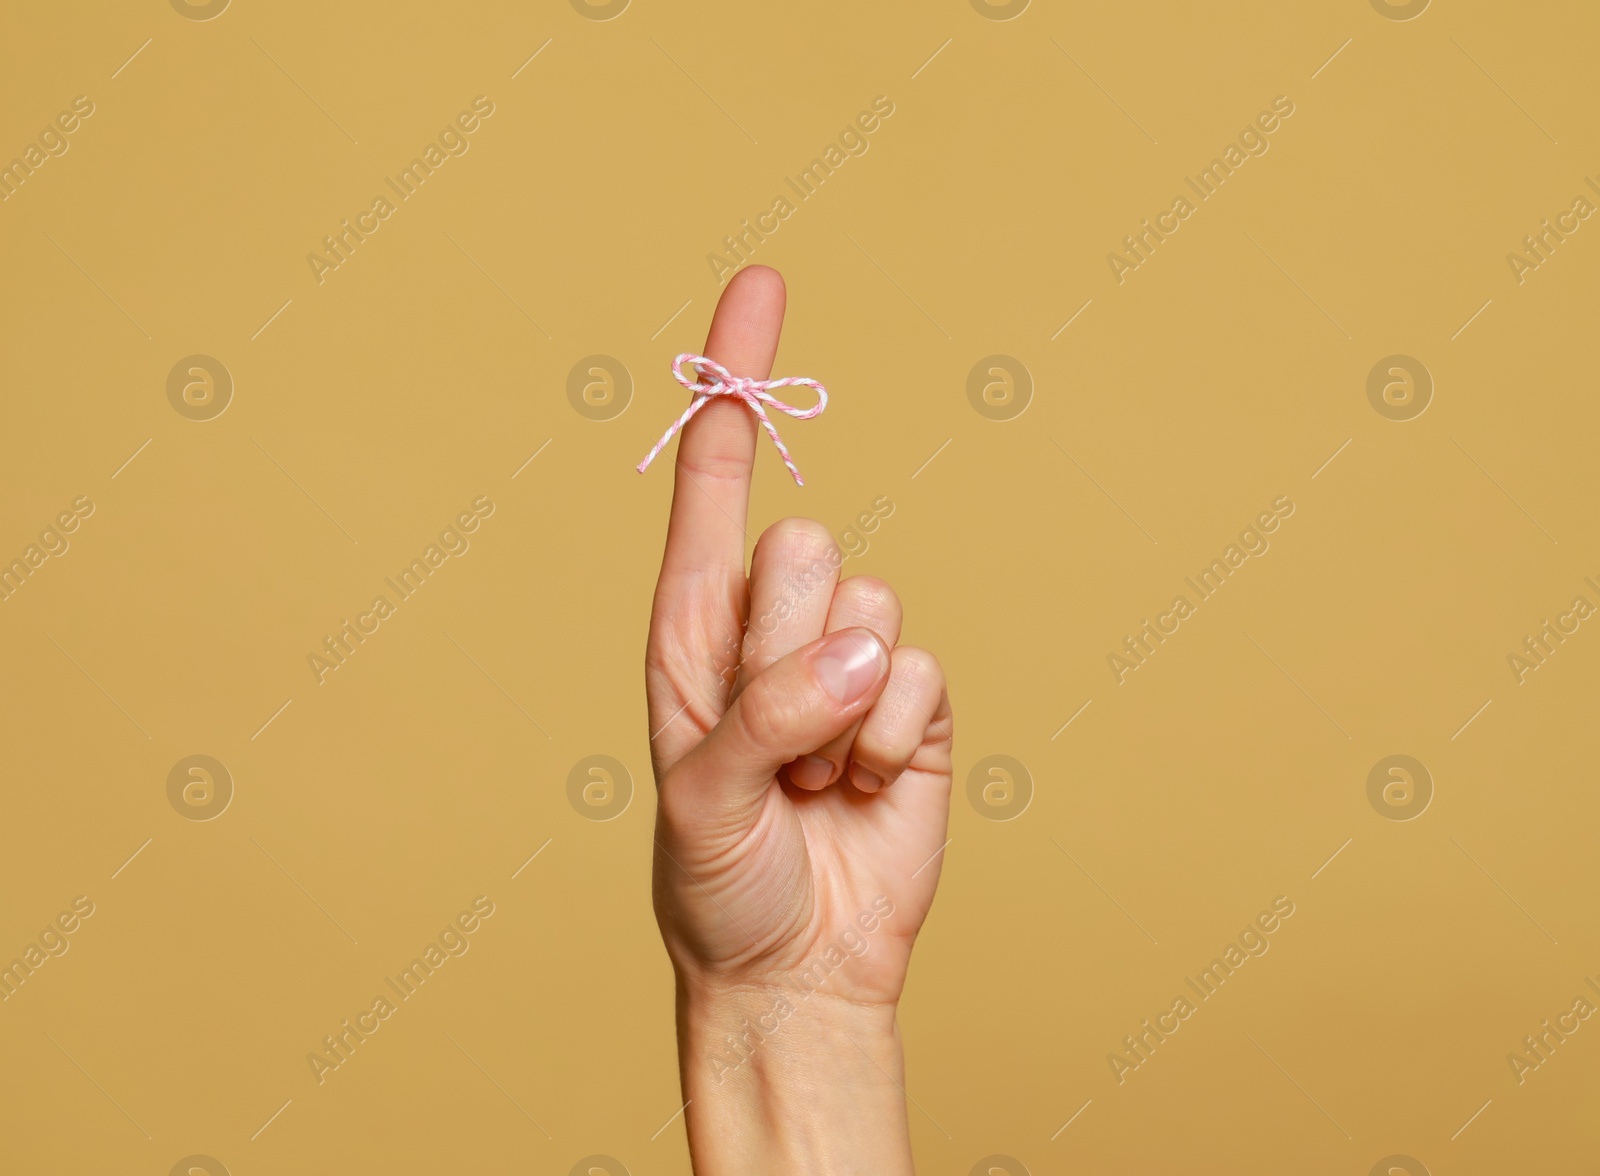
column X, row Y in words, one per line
column 427, row 370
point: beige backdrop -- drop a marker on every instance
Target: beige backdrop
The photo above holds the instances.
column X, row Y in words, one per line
column 216, row 450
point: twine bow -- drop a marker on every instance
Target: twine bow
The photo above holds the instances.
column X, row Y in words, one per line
column 755, row 393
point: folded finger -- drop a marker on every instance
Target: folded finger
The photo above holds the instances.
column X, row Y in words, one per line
column 860, row 602
column 792, row 576
column 898, row 723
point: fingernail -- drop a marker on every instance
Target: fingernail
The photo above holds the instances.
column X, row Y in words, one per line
column 810, row 771
column 864, row 779
column 850, row 664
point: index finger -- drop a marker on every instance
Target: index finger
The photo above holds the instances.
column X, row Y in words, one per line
column 711, row 491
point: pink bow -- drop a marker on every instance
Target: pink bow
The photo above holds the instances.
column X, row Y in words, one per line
column 752, row 392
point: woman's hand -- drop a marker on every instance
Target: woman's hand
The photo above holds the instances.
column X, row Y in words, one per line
column 803, row 765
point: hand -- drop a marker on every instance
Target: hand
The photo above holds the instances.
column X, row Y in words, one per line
column 803, row 766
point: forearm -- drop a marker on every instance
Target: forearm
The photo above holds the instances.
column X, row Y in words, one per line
column 778, row 1083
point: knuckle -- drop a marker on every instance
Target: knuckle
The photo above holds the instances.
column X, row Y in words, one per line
column 764, row 716
column 717, row 466
column 797, row 540
column 871, row 596
column 892, row 747
column 920, row 667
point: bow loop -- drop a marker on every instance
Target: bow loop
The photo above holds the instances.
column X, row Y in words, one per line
column 756, row 393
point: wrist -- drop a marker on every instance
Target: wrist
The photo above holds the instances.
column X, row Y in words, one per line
column 782, row 1080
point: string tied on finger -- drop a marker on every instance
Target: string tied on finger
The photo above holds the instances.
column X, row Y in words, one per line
column 712, row 379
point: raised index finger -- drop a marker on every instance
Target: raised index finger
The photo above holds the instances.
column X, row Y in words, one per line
column 711, row 493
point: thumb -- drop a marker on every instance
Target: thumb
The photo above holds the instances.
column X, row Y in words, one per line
column 796, row 705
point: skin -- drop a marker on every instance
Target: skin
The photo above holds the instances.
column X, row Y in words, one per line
column 789, row 819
